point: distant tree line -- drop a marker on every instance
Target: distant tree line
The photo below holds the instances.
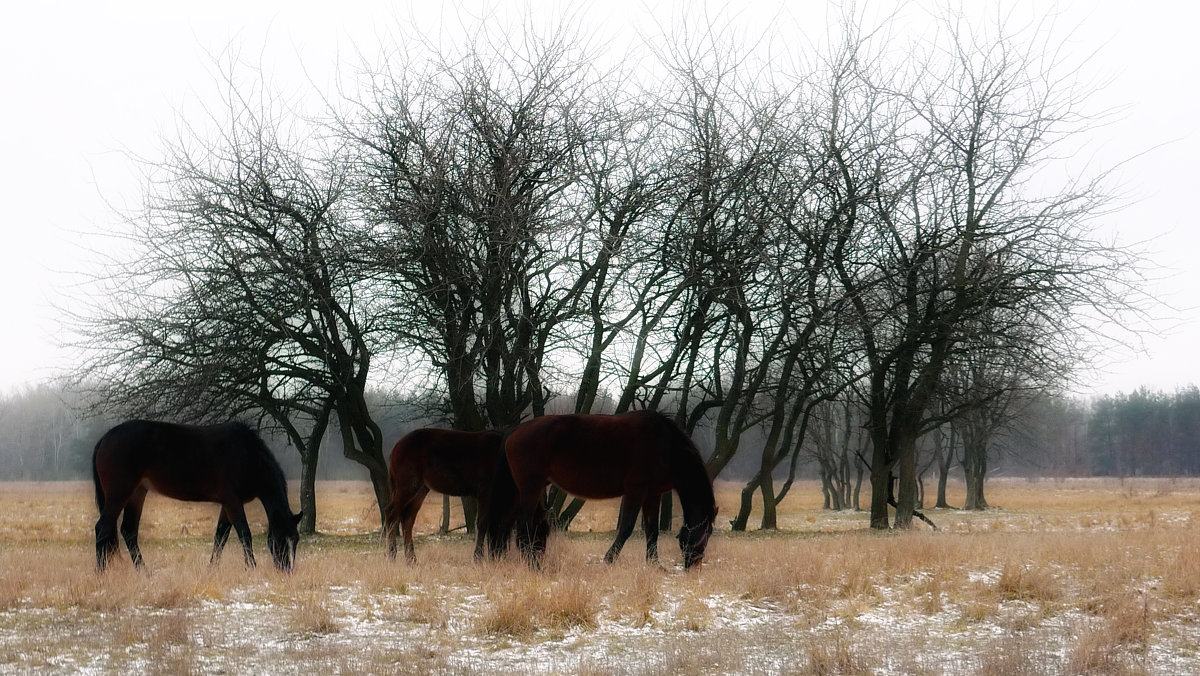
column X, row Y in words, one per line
column 45, row 437
column 47, row 433
column 506, row 229
column 1145, row 433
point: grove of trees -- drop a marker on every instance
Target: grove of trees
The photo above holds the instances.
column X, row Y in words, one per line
column 878, row 225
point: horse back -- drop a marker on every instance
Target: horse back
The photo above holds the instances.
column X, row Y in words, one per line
column 452, row 462
column 185, row 462
column 592, row 456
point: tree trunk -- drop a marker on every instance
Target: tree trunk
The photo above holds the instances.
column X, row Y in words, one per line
column 835, row 491
column 470, row 505
column 975, row 469
column 858, row 481
column 308, row 493
column 770, row 519
column 444, row 525
column 881, row 481
column 944, row 457
column 906, row 499
column 359, row 429
column 383, row 493
column 742, row 518
column 308, row 478
column 849, row 493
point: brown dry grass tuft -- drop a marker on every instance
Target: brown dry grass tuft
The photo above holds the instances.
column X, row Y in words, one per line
column 1124, row 630
column 521, row 602
column 636, row 594
column 1096, row 653
column 311, row 615
column 1027, row 583
column 830, row 653
column 693, row 613
column 1182, row 575
column 1011, row 656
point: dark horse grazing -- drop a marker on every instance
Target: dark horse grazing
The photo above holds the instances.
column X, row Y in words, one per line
column 227, row 464
column 636, row 456
column 450, row 462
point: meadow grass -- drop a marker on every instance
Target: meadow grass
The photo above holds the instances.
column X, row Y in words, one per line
column 1077, row 576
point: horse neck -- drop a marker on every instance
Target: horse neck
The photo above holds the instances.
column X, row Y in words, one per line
column 273, row 495
column 694, row 488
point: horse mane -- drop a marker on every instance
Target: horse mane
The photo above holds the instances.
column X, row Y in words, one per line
column 253, row 440
column 687, row 464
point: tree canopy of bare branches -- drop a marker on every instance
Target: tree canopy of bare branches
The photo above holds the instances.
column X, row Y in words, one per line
column 516, row 230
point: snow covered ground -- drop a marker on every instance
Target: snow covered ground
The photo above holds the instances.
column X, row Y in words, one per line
column 1064, row 590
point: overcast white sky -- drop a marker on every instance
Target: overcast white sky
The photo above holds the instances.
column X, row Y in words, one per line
column 84, row 83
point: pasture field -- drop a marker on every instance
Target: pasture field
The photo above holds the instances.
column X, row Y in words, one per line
column 1064, row 577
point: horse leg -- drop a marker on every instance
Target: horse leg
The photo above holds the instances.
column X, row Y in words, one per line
column 495, row 519
column 404, row 486
column 525, row 535
column 533, row 529
column 390, row 530
column 129, row 525
column 237, row 514
column 107, row 542
column 499, row 531
column 625, row 522
column 408, row 516
column 220, row 537
column 541, row 533
column 650, row 526
column 482, row 520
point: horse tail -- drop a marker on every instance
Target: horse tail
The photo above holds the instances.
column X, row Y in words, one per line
column 394, row 507
column 391, row 512
column 500, row 506
column 96, row 476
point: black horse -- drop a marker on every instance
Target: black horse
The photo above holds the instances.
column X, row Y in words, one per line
column 227, row 464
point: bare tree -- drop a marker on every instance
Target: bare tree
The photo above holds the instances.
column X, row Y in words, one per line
column 240, row 297
column 956, row 229
column 468, row 171
column 507, row 225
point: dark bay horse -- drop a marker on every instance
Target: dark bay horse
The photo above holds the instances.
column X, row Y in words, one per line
column 227, row 464
column 450, row 462
column 636, row 456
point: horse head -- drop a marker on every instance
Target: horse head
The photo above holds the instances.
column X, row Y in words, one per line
column 693, row 539
column 282, row 538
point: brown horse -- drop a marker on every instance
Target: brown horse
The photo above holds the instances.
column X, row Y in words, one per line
column 227, row 464
column 636, row 456
column 450, row 462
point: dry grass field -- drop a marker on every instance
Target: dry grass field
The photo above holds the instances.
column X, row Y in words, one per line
column 1070, row 577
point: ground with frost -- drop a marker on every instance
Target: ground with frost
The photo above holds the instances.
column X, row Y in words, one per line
column 1068, row 589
